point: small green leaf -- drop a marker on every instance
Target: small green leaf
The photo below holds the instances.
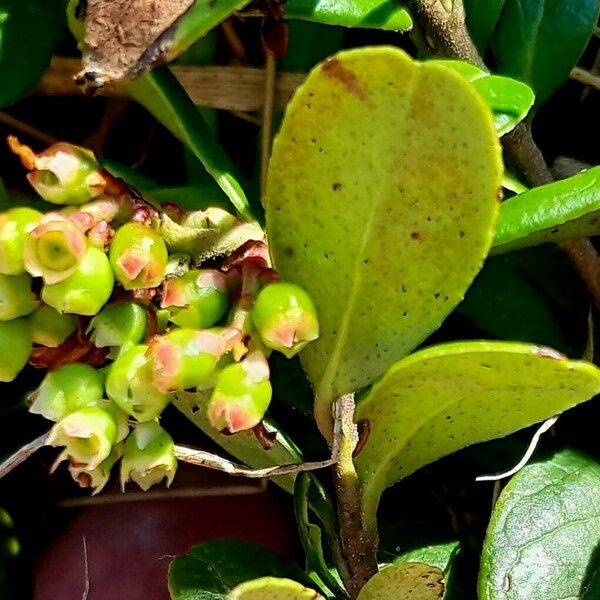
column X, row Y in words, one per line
column 161, row 94
column 416, row 581
column 210, row 571
column 29, row 31
column 378, row 158
column 273, row 588
column 481, row 17
column 544, row 534
column 540, row 41
column 446, row 397
column 562, row 210
column 379, row 14
column 509, row 99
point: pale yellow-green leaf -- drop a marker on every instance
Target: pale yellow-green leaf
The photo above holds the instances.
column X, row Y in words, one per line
column 450, row 396
column 273, row 588
column 381, row 202
column 405, row 581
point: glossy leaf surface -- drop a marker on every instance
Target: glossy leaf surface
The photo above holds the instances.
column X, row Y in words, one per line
column 509, row 99
column 481, row 17
column 448, row 397
column 542, row 541
column 273, row 588
column 540, row 41
column 563, row 210
column 378, row 158
column 379, row 14
column 416, row 581
column 210, row 571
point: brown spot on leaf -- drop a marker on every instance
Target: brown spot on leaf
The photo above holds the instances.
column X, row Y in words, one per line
column 265, row 438
column 336, row 187
column 336, row 70
column 364, row 430
column 415, row 235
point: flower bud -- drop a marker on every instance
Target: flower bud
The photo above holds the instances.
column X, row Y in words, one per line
column 129, row 385
column 285, row 317
column 54, row 249
column 66, row 390
column 85, row 291
column 241, row 396
column 15, row 347
column 88, row 435
column 49, row 328
column 16, row 297
column 149, row 456
column 96, row 478
column 138, row 256
column 63, row 173
column 121, row 325
column 15, row 226
column 197, row 299
column 185, row 359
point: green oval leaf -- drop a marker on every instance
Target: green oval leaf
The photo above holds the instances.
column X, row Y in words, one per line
column 211, row 570
column 416, row 581
column 509, row 99
column 481, row 18
column 29, row 31
column 447, row 397
column 558, row 211
column 273, row 588
column 378, row 158
column 540, row 41
column 544, row 534
column 380, row 14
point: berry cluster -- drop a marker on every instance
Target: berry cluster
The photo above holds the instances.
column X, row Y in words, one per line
column 96, row 293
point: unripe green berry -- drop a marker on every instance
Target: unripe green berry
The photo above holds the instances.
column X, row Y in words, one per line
column 16, row 297
column 138, row 256
column 15, row 226
column 241, row 396
column 88, row 435
column 121, row 325
column 149, row 456
column 285, row 318
column 129, row 385
column 185, row 359
column 197, row 299
column 66, row 390
column 85, row 291
column 49, row 328
column 15, row 347
column 67, row 174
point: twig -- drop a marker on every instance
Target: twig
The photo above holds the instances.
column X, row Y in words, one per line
column 585, row 77
column 358, row 546
column 21, row 455
column 86, row 573
column 267, row 120
column 545, row 426
column 27, row 129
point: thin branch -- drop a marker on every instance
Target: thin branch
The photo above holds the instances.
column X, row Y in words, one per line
column 86, row 572
column 27, row 129
column 267, row 120
column 21, row 455
column 585, row 77
column 545, row 426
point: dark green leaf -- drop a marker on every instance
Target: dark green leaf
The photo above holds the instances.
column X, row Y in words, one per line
column 211, row 570
column 482, row 16
column 540, row 41
column 357, row 203
column 447, row 397
column 563, row 210
column 543, row 539
column 29, row 31
column 379, row 14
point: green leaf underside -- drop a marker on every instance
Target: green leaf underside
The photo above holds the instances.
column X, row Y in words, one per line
column 447, row 397
column 416, row 581
column 211, row 570
column 273, row 588
column 543, row 539
column 563, row 210
column 509, row 99
column 161, row 95
column 377, row 160
column 540, row 41
column 440, row 555
column 29, row 31
column 244, row 445
column 380, row 14
column 481, row 18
